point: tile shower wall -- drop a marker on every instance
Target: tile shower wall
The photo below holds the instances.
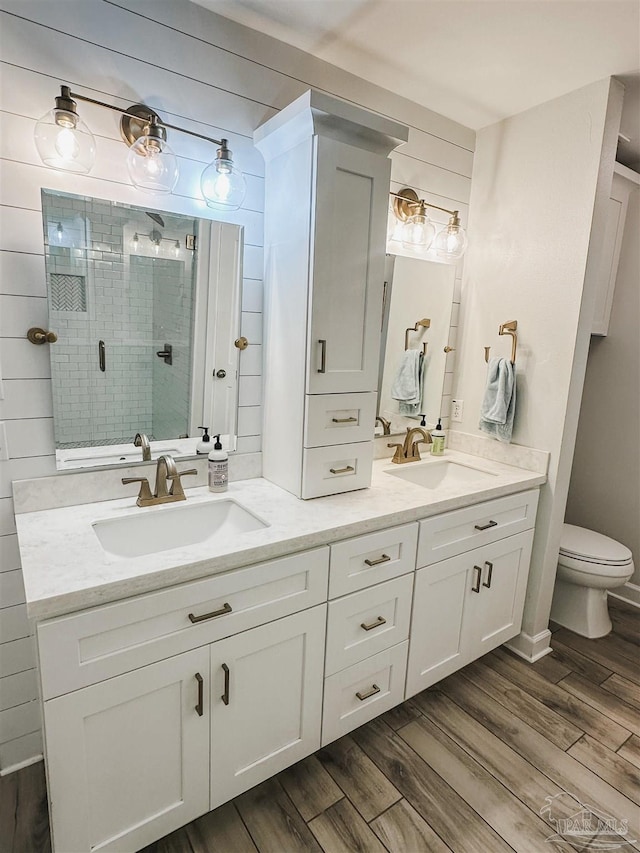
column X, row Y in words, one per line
column 215, row 77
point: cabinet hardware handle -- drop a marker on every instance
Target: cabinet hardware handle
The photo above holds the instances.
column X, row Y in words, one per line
column 476, row 583
column 323, row 356
column 486, row 526
column 384, row 559
column 200, row 705
column 344, row 420
column 102, row 360
column 487, row 583
column 379, row 621
column 226, row 608
column 362, row 696
column 225, row 695
column 342, row 470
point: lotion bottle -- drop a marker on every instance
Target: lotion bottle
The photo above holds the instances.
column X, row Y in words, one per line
column 204, row 445
column 218, row 467
column 437, row 440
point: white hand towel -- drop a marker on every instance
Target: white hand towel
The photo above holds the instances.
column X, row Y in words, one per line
column 498, row 406
column 407, row 385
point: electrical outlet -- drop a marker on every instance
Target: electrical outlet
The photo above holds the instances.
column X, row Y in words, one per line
column 456, row 410
column 4, row 451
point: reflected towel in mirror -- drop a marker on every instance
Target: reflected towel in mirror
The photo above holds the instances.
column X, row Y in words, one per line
column 407, row 384
column 499, row 402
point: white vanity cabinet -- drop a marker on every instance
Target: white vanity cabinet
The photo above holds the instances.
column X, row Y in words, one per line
column 327, row 179
column 472, row 602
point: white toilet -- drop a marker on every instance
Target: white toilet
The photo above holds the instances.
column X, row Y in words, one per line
column 588, row 565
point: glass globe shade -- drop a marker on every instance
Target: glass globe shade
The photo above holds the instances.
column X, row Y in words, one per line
column 223, row 185
column 65, row 142
column 451, row 243
column 152, row 165
column 418, row 232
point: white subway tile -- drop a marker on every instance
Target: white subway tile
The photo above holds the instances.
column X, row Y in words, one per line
column 7, row 518
column 250, row 391
column 19, row 313
column 26, row 398
column 22, row 360
column 252, row 327
column 250, row 420
column 17, row 656
column 17, row 752
column 14, row 623
column 22, row 274
column 30, row 437
column 9, row 553
column 18, row 689
column 11, row 588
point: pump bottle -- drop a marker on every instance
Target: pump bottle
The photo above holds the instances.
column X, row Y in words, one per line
column 218, row 467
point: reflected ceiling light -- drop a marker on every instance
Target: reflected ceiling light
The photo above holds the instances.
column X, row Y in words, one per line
column 418, row 231
column 65, row 142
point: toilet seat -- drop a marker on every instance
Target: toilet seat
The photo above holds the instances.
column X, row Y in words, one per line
column 592, row 553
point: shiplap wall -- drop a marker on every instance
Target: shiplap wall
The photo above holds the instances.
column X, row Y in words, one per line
column 209, row 75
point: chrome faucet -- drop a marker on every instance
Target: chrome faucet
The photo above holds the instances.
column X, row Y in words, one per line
column 142, row 441
column 408, row 451
column 385, row 424
column 165, row 470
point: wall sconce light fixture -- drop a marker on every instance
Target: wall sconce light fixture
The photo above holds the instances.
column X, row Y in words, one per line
column 418, row 231
column 65, row 142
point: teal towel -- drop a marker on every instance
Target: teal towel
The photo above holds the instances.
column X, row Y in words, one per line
column 499, row 404
column 406, row 387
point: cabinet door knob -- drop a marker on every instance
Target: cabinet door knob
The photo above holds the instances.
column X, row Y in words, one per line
column 200, row 703
column 383, row 559
column 226, row 608
column 378, row 622
column 374, row 689
column 486, row 526
column 487, row 583
column 476, row 583
column 225, row 695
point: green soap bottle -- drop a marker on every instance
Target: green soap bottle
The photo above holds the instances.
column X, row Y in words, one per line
column 437, row 440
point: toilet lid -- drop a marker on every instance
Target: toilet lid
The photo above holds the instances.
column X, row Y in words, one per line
column 592, row 547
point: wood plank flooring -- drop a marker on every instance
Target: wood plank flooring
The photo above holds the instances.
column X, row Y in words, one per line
column 489, row 760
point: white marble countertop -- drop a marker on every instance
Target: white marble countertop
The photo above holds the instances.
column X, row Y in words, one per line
column 66, row 569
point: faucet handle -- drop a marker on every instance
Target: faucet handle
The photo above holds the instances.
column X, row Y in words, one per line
column 398, row 456
column 144, row 495
column 176, row 489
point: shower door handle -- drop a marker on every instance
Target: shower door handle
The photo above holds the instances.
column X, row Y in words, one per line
column 102, row 361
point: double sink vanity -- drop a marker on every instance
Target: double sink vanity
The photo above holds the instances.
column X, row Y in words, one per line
column 189, row 651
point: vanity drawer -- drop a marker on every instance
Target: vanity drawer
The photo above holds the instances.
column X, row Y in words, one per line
column 335, row 469
column 367, row 622
column 361, row 692
column 452, row 533
column 390, row 553
column 338, row 418
column 105, row 641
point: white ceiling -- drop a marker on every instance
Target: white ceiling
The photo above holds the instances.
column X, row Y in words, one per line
column 475, row 61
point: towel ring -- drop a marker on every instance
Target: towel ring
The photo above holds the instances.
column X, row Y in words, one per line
column 509, row 328
column 425, row 323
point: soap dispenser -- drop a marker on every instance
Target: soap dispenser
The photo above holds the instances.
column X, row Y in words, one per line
column 218, row 467
column 204, row 445
column 437, row 440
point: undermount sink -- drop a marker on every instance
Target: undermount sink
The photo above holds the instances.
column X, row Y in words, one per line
column 162, row 529
column 433, row 475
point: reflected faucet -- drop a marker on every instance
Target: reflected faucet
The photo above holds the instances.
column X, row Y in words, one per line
column 408, row 451
column 142, row 441
column 385, row 424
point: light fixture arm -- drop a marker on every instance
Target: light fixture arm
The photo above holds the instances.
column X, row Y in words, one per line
column 407, row 199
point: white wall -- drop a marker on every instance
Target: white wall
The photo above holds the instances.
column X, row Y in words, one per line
column 212, row 76
column 536, row 178
column 604, row 493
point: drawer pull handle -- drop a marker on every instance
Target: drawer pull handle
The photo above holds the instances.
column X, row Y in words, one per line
column 200, row 704
column 487, row 583
column 476, row 583
column 342, row 470
column 362, row 696
column 226, row 608
column 486, row 526
column 344, row 420
column 384, row 559
column 323, row 356
column 225, row 695
column 379, row 621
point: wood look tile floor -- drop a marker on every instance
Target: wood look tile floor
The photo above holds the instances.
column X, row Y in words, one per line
column 488, row 760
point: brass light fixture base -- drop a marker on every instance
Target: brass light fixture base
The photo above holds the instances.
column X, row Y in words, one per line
column 132, row 126
column 405, row 206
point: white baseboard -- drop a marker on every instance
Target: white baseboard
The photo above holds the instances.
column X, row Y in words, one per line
column 630, row 593
column 26, row 763
column 530, row 648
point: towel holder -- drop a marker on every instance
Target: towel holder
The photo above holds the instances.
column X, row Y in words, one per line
column 509, row 328
column 425, row 323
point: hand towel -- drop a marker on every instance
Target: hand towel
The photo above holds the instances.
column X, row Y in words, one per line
column 499, row 403
column 406, row 387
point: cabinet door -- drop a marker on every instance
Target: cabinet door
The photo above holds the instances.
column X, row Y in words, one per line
column 351, row 187
column 436, row 647
column 495, row 613
column 128, row 758
column 266, row 701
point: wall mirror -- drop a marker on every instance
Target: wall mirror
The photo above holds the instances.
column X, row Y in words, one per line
column 418, row 299
column 146, row 307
